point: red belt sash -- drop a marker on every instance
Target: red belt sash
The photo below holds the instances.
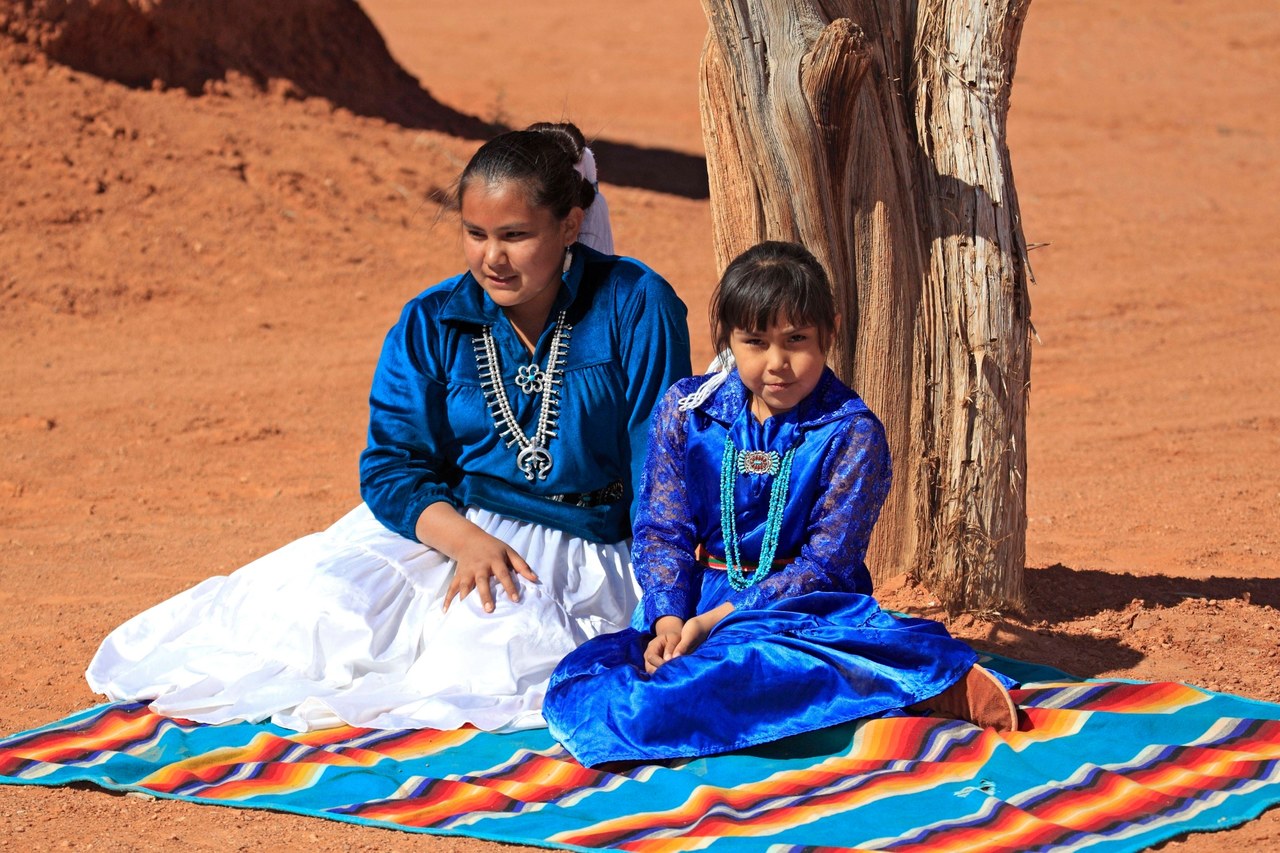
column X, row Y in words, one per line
column 702, row 555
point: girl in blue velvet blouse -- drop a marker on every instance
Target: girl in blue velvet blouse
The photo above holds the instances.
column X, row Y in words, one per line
column 508, row 421
column 757, row 502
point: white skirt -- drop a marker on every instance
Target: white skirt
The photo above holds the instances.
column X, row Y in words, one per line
column 346, row 626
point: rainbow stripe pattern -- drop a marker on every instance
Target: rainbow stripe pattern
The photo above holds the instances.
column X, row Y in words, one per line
column 1102, row 765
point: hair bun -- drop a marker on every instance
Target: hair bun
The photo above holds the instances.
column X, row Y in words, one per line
column 569, row 137
column 565, row 132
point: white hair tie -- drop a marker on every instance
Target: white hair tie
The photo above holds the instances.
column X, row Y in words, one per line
column 723, row 365
column 586, row 166
column 596, row 230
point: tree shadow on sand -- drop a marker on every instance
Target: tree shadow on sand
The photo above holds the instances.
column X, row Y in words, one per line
column 1060, row 598
column 303, row 48
column 1065, row 593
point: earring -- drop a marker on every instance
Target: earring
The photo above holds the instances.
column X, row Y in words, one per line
column 568, row 259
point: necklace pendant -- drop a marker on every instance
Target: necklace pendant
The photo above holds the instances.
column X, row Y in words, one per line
column 531, row 379
column 535, row 462
column 752, row 462
column 758, row 462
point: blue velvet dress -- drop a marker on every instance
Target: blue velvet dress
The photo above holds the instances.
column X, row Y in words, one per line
column 805, row 647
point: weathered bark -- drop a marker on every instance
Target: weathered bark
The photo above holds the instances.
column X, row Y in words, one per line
column 874, row 133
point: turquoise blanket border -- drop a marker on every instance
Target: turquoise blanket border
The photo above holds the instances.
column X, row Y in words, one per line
column 488, row 749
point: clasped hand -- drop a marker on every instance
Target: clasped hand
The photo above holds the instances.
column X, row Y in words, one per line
column 674, row 637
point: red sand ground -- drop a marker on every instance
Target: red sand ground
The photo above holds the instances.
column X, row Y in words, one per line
column 193, row 290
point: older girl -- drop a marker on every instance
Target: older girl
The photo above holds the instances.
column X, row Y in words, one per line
column 507, row 428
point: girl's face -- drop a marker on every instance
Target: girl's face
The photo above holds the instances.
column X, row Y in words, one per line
column 514, row 249
column 780, row 366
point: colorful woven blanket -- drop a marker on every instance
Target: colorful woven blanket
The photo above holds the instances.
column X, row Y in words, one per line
column 1104, row 765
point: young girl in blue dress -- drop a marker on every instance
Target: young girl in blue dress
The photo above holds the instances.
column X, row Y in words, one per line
column 757, row 502
column 508, row 420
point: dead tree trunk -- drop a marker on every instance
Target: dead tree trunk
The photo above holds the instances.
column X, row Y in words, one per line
column 873, row 131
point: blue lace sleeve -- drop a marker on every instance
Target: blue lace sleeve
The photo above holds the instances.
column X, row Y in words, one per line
column 663, row 550
column 832, row 558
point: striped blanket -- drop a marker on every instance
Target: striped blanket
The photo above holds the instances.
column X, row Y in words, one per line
column 1103, row 765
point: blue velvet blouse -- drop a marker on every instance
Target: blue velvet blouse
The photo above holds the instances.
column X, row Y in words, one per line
column 839, row 479
column 432, row 436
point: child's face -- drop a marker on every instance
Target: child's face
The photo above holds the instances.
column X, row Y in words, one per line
column 514, row 249
column 780, row 366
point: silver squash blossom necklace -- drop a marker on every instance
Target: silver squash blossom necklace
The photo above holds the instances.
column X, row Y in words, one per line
column 534, row 458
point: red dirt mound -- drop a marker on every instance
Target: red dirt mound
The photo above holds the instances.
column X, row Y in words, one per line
column 326, row 48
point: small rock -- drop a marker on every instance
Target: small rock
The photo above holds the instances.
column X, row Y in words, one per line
column 1143, row 620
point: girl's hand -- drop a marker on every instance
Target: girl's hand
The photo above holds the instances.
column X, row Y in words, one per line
column 694, row 632
column 479, row 561
column 697, row 629
column 479, row 557
column 662, row 647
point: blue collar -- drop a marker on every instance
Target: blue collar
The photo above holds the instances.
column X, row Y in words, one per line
column 830, row 400
column 469, row 304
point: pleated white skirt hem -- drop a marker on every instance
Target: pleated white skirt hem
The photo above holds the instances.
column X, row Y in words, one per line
column 346, row 627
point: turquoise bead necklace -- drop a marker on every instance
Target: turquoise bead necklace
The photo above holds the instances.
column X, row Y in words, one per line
column 752, row 462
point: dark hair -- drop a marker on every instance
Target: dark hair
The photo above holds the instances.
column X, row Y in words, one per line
column 769, row 281
column 542, row 159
